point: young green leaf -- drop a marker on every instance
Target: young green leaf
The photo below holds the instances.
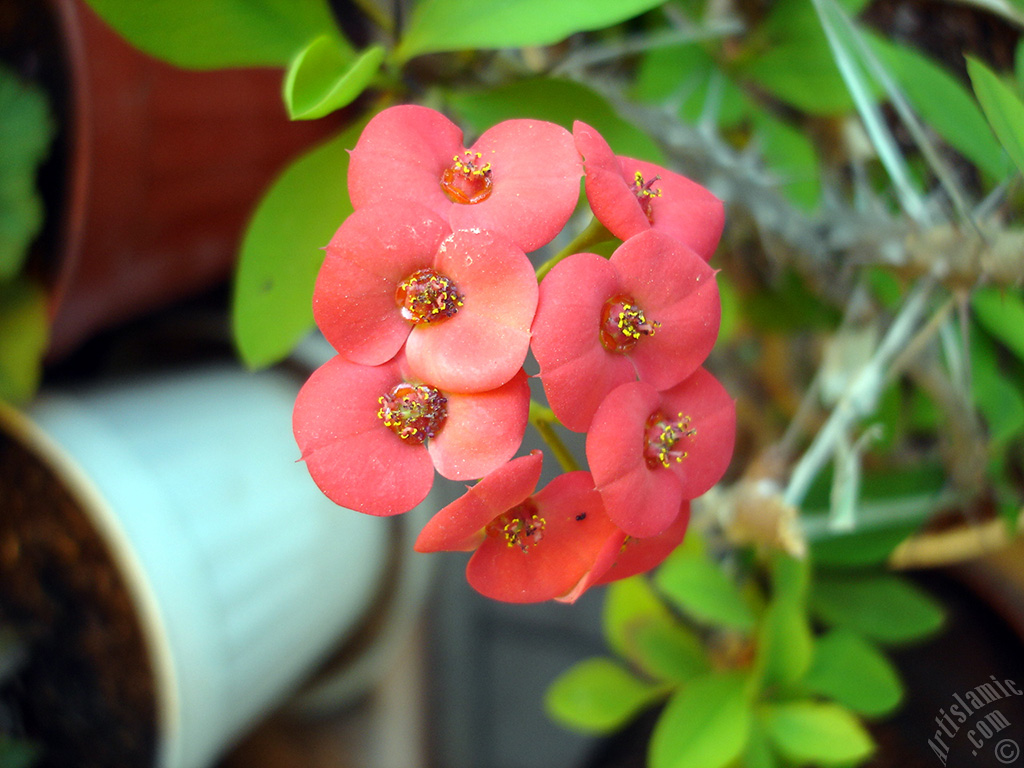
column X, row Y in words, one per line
column 850, row 670
column 883, row 607
column 281, row 251
column 211, row 34
column 705, row 724
column 791, row 578
column 698, row 585
column 640, row 628
column 326, row 76
column 760, row 752
column 809, row 732
column 598, row 696
column 24, row 332
column 455, row 25
column 785, row 643
column 1002, row 107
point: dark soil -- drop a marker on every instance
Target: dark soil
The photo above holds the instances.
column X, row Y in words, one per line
column 84, row 692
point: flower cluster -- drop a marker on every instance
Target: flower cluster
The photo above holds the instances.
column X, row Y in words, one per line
column 433, row 305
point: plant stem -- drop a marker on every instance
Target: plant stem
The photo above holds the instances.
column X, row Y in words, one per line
column 543, row 420
column 594, row 233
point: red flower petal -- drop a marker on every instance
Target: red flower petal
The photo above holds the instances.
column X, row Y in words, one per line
column 684, row 210
column 353, row 458
column 575, row 369
column 370, row 254
column 459, row 526
column 641, row 501
column 485, row 343
column 641, row 555
column 483, row 430
column 536, row 182
column 574, row 530
column 680, row 208
column 401, row 155
column 623, row 556
column 609, row 193
column 676, row 288
column 712, row 413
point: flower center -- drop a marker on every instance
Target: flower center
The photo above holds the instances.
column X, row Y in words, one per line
column 414, row 412
column 645, row 193
column 623, row 323
column 520, row 527
column 465, row 181
column 426, row 296
column 664, row 439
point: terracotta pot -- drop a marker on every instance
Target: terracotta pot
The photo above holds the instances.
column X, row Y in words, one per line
column 157, row 169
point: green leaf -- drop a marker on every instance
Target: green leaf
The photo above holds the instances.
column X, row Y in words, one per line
column 850, row 670
column 697, row 585
column 789, row 56
column 1002, row 107
column 901, row 496
column 997, row 396
column 705, row 725
column 598, row 696
column 455, row 25
column 324, row 77
column 856, row 549
column 686, row 72
column 1001, row 312
column 212, row 34
column 825, row 734
column 26, row 130
column 557, row 101
column 759, row 752
column 883, row 607
column 791, row 156
column 24, row 333
column 785, row 643
column 281, row 251
column 640, row 628
column 790, row 305
column 943, row 103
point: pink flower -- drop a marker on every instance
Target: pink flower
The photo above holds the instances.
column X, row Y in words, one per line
column 520, row 178
column 530, row 547
column 631, row 196
column 650, row 451
column 651, row 311
column 461, row 303
column 371, row 436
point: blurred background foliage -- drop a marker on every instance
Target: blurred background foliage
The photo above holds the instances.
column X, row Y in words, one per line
column 869, row 155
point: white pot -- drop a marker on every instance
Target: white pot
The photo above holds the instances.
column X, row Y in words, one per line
column 244, row 575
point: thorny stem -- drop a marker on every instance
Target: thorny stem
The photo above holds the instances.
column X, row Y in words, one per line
column 594, row 233
column 860, row 396
column 543, row 420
